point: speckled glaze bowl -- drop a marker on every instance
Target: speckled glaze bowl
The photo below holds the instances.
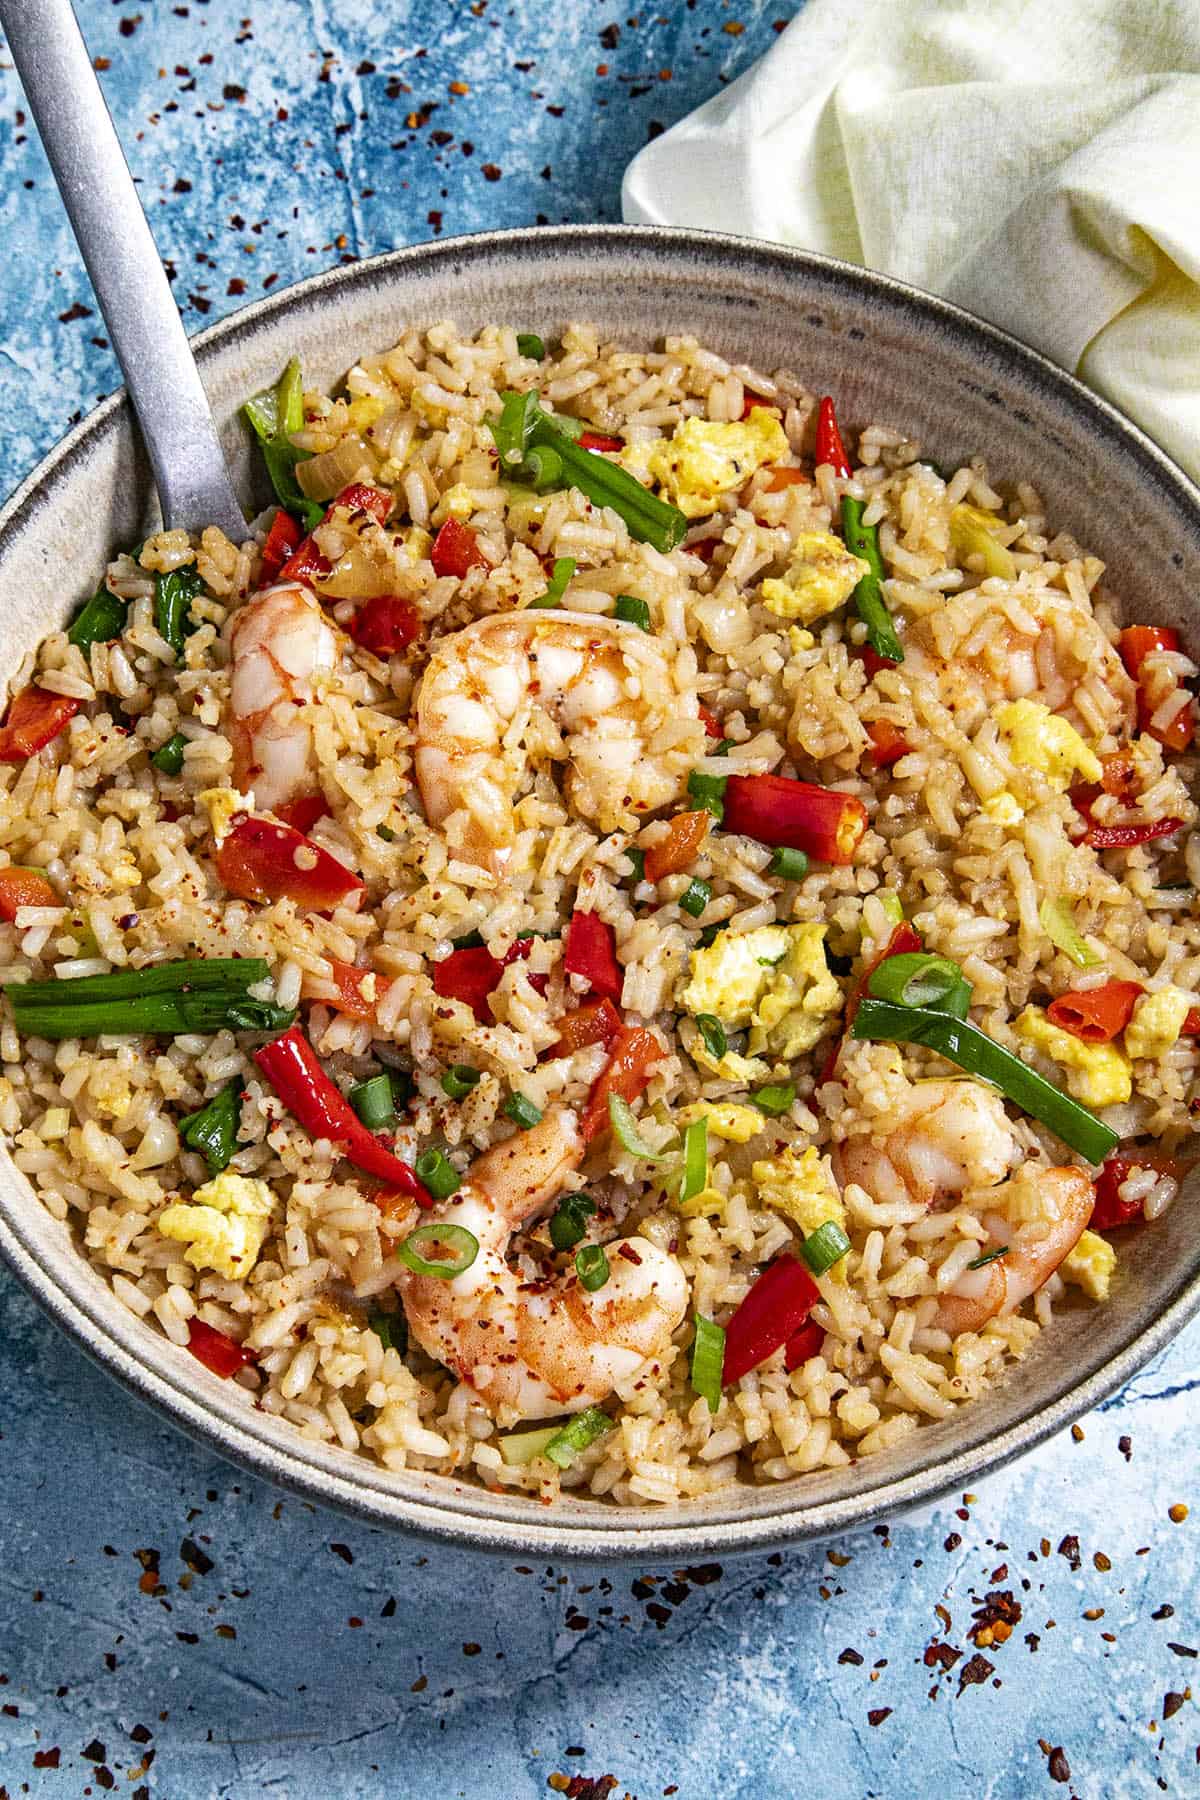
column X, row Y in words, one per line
column 888, row 353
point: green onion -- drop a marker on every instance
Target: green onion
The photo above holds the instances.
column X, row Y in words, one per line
column 863, row 540
column 711, row 933
column 273, row 415
column 695, row 1159
column 560, row 575
column 696, row 896
column 824, row 1246
column 470, row 940
column 625, row 1131
column 958, row 1001
column 981, row 1262
column 775, row 1099
column 1059, row 925
column 970, row 1049
column 391, row 1329
column 708, row 1361
column 893, row 911
column 386, row 833
column 403, row 1087
column 788, row 865
column 169, row 756
column 459, row 1079
column 708, row 791
column 649, row 519
column 520, row 1448
column 591, row 1266
column 98, row 621
column 522, row 1110
column 637, row 859
column 914, row 978
column 173, row 596
column 461, row 1245
column 568, row 1223
column 583, row 1430
column 214, row 1129
column 632, row 611
column 167, row 999
column 543, row 470
column 512, row 429
column 713, row 1032
column 530, row 344
column 438, row 1173
column 724, row 747
column 372, row 1101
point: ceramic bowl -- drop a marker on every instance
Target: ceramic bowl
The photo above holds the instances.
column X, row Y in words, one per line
column 888, row 353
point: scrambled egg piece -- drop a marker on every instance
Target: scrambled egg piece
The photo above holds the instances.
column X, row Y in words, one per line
column 1156, row 1022
column 705, row 460
column 1039, row 739
column 224, row 1224
column 822, row 574
column 731, row 1066
column 223, row 805
column 1097, row 1074
column 774, row 980
column 1090, row 1265
column 363, row 412
column 458, row 502
column 1004, row 808
column 800, row 639
column 736, row 1124
column 798, row 1184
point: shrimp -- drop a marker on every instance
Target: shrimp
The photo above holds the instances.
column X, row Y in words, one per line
column 1039, row 1217
column 281, row 644
column 534, row 1348
column 954, row 1135
column 979, row 659
column 523, row 686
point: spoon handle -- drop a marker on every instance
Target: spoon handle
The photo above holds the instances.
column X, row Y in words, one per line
column 135, row 297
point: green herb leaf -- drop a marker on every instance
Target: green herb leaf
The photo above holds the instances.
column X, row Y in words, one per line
column 632, row 611
column 568, row 1223
column 530, row 344
column 213, row 1129
column 775, row 1099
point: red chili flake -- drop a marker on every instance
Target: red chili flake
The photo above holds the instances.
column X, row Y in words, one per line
column 1070, row 1549
column 939, row 1655
column 46, row 1759
column 630, row 1254
column 1172, row 1703
column 974, row 1672
column 850, row 1656
column 878, row 1714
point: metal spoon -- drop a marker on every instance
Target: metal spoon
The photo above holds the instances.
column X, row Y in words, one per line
column 135, row 297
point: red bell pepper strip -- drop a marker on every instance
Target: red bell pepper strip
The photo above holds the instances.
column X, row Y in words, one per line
column 888, row 744
column 771, row 1314
column 283, row 537
column 1138, row 642
column 1124, row 837
column 873, row 662
column 903, row 941
column 312, row 1098
column 679, row 849
column 216, row 1351
column 471, row 974
column 24, row 887
column 796, row 815
column 595, row 1022
column 306, row 563
column 358, row 497
column 350, row 981
column 35, row 718
column 830, row 448
column 1135, row 645
column 804, row 1343
column 1110, row 1210
column 590, row 950
column 599, row 440
column 302, row 813
column 710, row 722
column 260, row 860
column 776, row 480
column 626, row 1074
column 1096, row 1015
column 456, row 550
column 1191, row 1025
column 385, row 624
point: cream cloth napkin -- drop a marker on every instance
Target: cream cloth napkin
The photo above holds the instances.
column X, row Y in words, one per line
column 1036, row 161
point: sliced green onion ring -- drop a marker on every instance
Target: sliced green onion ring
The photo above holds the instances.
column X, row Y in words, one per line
column 373, row 1101
column 438, row 1234
column 708, row 791
column 560, row 575
column 568, row 1222
column 708, row 1361
column 695, row 1159
column 914, row 978
column 438, row 1173
column 625, row 1130
column 459, row 1080
column 521, row 1109
column 1058, row 923
column 775, row 1099
column 824, row 1247
column 716, row 1042
column 591, row 1266
column 788, row 865
column 520, row 1448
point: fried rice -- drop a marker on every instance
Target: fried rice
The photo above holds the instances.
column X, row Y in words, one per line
column 971, row 827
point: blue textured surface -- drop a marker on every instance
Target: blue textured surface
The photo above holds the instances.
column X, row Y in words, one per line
column 156, row 1607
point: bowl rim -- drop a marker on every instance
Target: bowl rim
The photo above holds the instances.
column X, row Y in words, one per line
column 78, row 1299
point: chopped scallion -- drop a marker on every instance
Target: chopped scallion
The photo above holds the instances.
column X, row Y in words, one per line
column 625, row 1130
column 1059, row 925
column 520, row 1448
column 788, row 865
column 568, row 1222
column 530, row 344
column 775, row 1099
column 708, row 791
column 560, row 575
column 459, row 1079
column 824, row 1247
column 372, row 1101
column 168, row 758
column 632, row 611
column 591, row 1266
column 696, row 897
column 637, row 859
column 575, row 1437
column 522, row 1111
column 915, row 978
column 391, row 1329
column 981, row 1262
column 438, row 1173
column 708, row 1361
column 711, row 933
column 695, row 1159
column 716, row 1040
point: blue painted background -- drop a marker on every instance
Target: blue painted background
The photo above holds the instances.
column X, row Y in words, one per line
column 171, row 1628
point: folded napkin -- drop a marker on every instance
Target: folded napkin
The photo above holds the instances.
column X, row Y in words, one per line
column 1036, row 161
